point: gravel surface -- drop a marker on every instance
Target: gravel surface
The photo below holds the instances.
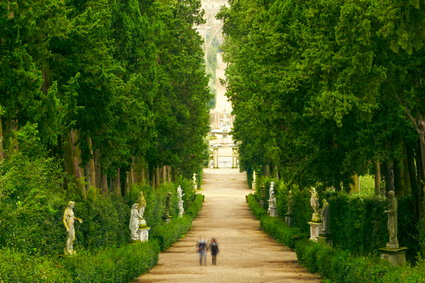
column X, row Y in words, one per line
column 246, row 253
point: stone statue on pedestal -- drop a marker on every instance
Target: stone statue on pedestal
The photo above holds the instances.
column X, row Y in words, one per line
column 180, row 195
column 314, row 202
column 134, row 222
column 392, row 220
column 194, row 182
column 68, row 221
column 139, row 229
column 272, row 201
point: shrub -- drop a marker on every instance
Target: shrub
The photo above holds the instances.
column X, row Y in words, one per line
column 20, row 267
column 113, row 265
column 274, row 226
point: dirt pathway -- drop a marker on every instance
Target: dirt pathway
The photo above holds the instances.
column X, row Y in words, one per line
column 246, row 253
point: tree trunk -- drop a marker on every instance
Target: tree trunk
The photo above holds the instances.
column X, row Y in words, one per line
column 389, row 176
column 91, row 168
column 169, row 179
column 98, row 168
column 117, row 188
column 267, row 170
column 397, row 178
column 377, row 178
column 157, row 181
column 104, row 185
column 164, row 174
column 76, row 161
column 355, row 185
column 1, row 140
column 413, row 181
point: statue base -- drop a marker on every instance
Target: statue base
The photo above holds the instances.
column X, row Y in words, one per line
column 315, row 228
column 395, row 256
column 143, row 234
column 272, row 212
column 288, row 220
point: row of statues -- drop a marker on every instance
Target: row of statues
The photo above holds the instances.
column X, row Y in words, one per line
column 138, row 228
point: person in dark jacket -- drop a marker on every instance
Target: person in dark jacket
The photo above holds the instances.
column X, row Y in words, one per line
column 214, row 250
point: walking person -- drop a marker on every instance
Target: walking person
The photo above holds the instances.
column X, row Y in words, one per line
column 214, row 251
column 202, row 250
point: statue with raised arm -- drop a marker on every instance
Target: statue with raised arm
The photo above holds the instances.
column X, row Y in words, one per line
column 392, row 220
column 68, row 221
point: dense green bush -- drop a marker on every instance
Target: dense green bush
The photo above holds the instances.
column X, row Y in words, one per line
column 194, row 205
column 168, row 233
column 20, row 267
column 274, row 226
column 113, row 264
column 278, row 229
column 341, row 266
column 332, row 263
column 31, row 201
column 359, row 224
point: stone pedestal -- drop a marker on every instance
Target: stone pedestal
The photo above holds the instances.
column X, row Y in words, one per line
column 143, row 234
column 181, row 210
column 273, row 212
column 395, row 256
column 288, row 220
column 315, row 230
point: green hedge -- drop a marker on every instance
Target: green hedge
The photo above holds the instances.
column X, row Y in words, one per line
column 274, row 226
column 121, row 264
column 359, row 224
column 332, row 263
column 113, row 265
column 19, row 267
column 340, row 266
column 168, row 233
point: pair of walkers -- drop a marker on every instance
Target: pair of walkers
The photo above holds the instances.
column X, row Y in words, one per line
column 203, row 246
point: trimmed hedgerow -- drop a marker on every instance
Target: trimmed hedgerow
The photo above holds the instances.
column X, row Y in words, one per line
column 274, row 226
column 121, row 264
column 20, row 267
column 341, row 266
column 168, row 233
column 113, row 265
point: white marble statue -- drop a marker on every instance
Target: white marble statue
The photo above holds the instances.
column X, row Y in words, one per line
column 180, row 195
column 137, row 222
column 314, row 202
column 194, row 182
column 392, row 220
column 134, row 222
column 272, row 201
column 68, row 221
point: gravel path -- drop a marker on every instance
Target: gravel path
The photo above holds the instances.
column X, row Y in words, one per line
column 246, row 253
